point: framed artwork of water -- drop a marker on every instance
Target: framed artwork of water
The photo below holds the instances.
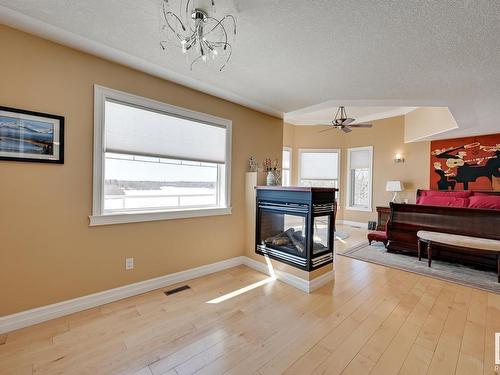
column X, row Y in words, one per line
column 31, row 136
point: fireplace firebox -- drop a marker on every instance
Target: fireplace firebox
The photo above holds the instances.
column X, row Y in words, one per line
column 295, row 225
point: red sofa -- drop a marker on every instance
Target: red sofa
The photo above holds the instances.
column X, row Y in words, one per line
column 470, row 213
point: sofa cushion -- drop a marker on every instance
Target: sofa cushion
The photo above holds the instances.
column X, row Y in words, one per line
column 443, row 201
column 485, row 201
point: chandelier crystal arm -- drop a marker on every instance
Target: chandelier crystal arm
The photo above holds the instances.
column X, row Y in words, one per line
column 225, row 45
column 220, row 23
column 166, row 14
column 194, row 61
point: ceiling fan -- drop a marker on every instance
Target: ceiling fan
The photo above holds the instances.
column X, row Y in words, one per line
column 342, row 122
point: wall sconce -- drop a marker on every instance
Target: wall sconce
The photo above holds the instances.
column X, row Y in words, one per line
column 398, row 158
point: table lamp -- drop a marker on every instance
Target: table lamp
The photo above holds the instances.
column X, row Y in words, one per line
column 394, row 187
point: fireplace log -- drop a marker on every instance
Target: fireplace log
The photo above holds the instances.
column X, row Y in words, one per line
column 298, row 245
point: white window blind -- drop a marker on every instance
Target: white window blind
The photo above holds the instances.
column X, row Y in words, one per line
column 359, row 178
column 286, row 159
column 136, row 131
column 319, row 165
column 360, row 159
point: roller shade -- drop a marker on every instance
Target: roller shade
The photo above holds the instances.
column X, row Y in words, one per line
column 359, row 159
column 286, row 159
column 137, row 131
column 319, row 165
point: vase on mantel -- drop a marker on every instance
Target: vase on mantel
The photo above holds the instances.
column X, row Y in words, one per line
column 270, row 179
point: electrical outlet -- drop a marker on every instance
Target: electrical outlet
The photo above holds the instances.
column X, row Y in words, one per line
column 129, row 264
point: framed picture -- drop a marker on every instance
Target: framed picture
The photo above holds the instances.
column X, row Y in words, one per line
column 31, row 136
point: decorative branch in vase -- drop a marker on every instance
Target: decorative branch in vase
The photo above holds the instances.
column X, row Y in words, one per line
column 273, row 175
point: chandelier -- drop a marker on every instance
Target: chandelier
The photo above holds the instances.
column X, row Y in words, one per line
column 200, row 35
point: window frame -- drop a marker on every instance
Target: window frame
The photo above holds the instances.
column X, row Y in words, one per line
column 348, row 204
column 320, row 150
column 99, row 217
column 289, row 169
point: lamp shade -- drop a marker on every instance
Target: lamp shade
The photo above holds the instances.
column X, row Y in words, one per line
column 394, row 186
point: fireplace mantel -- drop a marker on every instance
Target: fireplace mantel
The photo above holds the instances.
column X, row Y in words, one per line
column 298, row 188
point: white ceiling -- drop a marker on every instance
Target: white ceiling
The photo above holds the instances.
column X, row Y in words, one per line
column 325, row 113
column 296, row 54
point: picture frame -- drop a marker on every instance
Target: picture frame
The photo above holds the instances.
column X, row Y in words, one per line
column 31, row 136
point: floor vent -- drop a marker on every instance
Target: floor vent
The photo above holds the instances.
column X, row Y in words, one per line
column 177, row 290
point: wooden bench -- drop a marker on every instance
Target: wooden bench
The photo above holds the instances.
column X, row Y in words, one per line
column 458, row 242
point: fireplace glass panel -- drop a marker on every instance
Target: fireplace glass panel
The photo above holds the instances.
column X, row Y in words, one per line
column 283, row 231
column 320, row 234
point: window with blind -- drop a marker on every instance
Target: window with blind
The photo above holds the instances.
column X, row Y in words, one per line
column 286, row 166
column 359, row 178
column 154, row 161
column 319, row 168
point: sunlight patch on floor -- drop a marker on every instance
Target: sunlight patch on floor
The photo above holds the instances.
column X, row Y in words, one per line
column 240, row 291
column 272, row 277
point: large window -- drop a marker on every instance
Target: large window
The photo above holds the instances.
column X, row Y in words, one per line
column 154, row 161
column 286, row 166
column 359, row 178
column 319, row 168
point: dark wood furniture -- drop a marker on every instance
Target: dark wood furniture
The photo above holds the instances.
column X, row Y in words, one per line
column 295, row 225
column 428, row 244
column 407, row 219
column 383, row 213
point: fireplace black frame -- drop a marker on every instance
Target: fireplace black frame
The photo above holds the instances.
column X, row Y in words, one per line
column 299, row 201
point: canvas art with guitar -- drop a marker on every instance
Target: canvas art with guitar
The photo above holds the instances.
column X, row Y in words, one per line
column 471, row 163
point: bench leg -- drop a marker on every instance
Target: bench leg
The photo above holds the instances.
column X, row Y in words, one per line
column 498, row 267
column 429, row 253
column 419, row 250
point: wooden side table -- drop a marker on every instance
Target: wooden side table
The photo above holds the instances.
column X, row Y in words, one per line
column 383, row 215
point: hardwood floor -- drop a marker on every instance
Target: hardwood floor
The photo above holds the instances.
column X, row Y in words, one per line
column 371, row 320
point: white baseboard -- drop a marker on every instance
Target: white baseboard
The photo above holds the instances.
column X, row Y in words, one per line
column 353, row 223
column 41, row 314
column 321, row 280
column 305, row 285
column 44, row 313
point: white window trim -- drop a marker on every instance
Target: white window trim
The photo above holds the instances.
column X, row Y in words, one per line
column 289, row 149
column 326, row 150
column 101, row 94
column 348, row 180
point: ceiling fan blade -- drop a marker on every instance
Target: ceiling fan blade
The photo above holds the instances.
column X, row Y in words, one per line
column 346, row 129
column 361, row 125
column 348, row 121
column 326, row 130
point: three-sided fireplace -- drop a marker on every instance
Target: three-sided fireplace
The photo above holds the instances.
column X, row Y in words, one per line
column 295, row 225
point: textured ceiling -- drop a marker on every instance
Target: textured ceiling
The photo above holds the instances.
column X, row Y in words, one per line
column 325, row 113
column 295, row 54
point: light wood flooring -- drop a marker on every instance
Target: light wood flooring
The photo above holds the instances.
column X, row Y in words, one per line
column 371, row 320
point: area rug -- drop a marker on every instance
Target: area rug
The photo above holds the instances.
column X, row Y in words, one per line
column 452, row 272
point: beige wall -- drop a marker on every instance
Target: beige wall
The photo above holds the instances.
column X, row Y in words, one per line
column 426, row 121
column 48, row 252
column 387, row 139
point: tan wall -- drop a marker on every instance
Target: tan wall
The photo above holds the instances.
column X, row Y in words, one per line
column 288, row 135
column 387, row 139
column 426, row 121
column 48, row 252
